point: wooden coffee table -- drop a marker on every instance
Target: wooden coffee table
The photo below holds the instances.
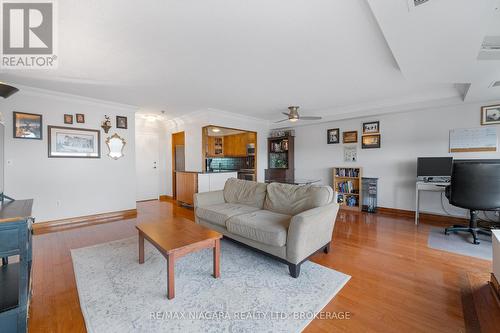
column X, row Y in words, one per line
column 176, row 238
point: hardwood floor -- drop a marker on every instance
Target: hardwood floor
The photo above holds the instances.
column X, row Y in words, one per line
column 398, row 284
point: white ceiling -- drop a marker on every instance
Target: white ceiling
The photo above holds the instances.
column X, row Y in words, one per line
column 258, row 57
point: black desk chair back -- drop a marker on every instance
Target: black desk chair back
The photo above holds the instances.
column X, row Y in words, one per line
column 475, row 185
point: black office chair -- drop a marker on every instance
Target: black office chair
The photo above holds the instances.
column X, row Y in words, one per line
column 475, row 185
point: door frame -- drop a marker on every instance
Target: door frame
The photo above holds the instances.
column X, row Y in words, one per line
column 178, row 138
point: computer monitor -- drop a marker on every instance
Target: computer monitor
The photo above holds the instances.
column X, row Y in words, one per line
column 434, row 169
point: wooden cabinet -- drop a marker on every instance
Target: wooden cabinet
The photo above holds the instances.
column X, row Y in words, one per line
column 252, row 137
column 215, row 146
column 187, row 186
column 235, row 145
column 15, row 275
column 280, row 159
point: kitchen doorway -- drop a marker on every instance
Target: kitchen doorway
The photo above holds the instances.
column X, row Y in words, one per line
column 229, row 149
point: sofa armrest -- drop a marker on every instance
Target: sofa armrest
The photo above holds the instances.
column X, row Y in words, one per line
column 208, row 198
column 309, row 231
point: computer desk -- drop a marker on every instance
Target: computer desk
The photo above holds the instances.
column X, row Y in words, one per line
column 426, row 186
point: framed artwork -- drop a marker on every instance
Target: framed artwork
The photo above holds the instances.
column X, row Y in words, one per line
column 68, row 119
column 80, row 118
column 372, row 127
column 74, row 142
column 350, row 137
column 333, row 135
column 27, row 126
column 370, row 141
column 490, row 115
column 350, row 153
column 121, row 122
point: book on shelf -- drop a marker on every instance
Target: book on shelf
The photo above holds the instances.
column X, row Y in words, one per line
column 347, row 172
column 347, row 200
column 346, row 187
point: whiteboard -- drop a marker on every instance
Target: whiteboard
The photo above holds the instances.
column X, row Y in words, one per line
column 473, row 139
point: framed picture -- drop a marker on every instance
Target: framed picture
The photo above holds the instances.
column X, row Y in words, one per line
column 68, row 119
column 80, row 118
column 370, row 141
column 333, row 135
column 372, row 127
column 490, row 115
column 121, row 122
column 350, row 137
column 27, row 126
column 350, row 153
column 74, row 142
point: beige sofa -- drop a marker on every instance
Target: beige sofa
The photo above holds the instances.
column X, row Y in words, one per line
column 289, row 222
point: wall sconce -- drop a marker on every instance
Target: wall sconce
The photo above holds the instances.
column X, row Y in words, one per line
column 106, row 124
column 115, row 145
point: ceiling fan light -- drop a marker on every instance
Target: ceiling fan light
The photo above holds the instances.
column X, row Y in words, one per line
column 294, row 119
column 6, row 90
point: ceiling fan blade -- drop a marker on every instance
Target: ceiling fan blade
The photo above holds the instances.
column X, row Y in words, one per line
column 280, row 121
column 310, row 118
column 286, row 114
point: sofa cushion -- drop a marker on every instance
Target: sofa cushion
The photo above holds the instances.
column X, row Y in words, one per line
column 220, row 213
column 294, row 199
column 262, row 226
column 245, row 192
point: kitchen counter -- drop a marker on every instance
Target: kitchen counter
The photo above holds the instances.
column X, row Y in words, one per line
column 190, row 182
column 207, row 172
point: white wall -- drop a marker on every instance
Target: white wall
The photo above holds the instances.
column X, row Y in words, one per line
column 405, row 136
column 68, row 187
column 192, row 125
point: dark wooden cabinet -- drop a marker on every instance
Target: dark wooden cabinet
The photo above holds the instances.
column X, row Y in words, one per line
column 280, row 158
column 15, row 277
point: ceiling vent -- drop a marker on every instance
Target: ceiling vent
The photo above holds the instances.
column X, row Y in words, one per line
column 495, row 84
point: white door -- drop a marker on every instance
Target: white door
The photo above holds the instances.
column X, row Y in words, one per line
column 147, row 153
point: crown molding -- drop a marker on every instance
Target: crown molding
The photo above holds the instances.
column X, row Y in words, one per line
column 39, row 92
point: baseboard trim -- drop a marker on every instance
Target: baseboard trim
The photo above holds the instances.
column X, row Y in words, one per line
column 166, row 198
column 424, row 217
column 82, row 221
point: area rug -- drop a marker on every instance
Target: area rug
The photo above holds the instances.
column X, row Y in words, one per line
column 460, row 243
column 254, row 293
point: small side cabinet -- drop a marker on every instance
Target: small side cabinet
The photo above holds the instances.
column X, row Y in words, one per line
column 15, row 271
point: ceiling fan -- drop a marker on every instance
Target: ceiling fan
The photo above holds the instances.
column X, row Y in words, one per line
column 293, row 115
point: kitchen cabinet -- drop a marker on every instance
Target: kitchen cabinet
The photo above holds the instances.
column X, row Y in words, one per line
column 215, row 181
column 230, row 145
column 191, row 182
column 215, row 146
column 252, row 137
column 235, row 145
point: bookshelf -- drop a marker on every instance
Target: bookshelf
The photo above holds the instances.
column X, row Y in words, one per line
column 347, row 187
column 280, row 158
